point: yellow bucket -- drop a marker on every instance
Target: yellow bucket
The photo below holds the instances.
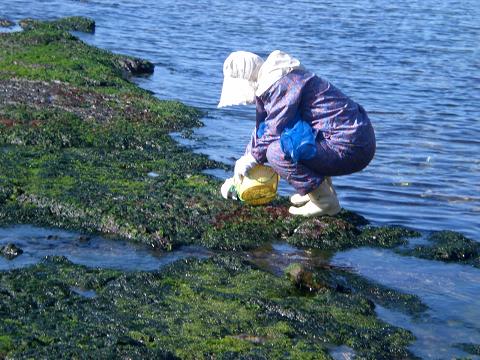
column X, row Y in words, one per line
column 259, row 187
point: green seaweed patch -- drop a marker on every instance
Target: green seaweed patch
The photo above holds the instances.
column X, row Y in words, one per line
column 386, row 236
column 448, row 246
column 246, row 227
column 473, row 349
column 326, row 233
column 73, row 23
column 380, row 294
column 310, row 279
column 344, row 231
column 221, row 307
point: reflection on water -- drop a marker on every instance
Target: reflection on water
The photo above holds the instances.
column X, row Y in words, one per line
column 93, row 252
column 452, row 292
column 413, row 65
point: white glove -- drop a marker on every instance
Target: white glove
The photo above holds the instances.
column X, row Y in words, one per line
column 243, row 165
column 225, row 189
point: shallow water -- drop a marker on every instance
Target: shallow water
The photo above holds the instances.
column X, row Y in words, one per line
column 451, row 291
column 94, row 252
column 415, row 66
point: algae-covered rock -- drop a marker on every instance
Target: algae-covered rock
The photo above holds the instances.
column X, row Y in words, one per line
column 473, row 349
column 386, row 236
column 343, row 231
column 313, row 279
column 135, row 66
column 74, row 23
column 10, row 251
column 329, row 233
column 217, row 308
column 448, row 246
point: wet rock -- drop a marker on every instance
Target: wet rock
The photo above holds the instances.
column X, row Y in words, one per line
column 221, row 306
column 448, row 246
column 73, row 23
column 10, row 251
column 303, row 278
column 327, row 233
column 6, row 23
column 83, row 238
column 386, row 236
column 473, row 349
column 135, row 66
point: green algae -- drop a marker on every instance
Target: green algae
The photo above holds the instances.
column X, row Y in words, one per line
column 75, row 23
column 386, row 236
column 314, row 278
column 448, row 246
column 221, row 307
column 344, row 232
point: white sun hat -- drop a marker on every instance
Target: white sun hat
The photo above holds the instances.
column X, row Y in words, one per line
column 275, row 67
column 240, row 71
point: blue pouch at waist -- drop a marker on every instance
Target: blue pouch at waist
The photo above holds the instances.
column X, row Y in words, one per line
column 298, row 142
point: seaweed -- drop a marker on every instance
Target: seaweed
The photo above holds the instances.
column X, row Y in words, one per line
column 448, row 246
column 221, row 307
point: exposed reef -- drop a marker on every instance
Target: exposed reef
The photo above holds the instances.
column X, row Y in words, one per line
column 74, row 23
column 221, row 308
column 448, row 246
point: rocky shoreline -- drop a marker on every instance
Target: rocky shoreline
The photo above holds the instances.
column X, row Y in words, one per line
column 77, row 140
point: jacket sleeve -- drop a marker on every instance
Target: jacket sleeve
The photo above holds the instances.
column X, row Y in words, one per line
column 280, row 105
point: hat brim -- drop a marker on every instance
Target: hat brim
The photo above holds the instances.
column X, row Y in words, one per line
column 236, row 91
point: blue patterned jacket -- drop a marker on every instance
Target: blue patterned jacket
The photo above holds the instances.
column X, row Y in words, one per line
column 334, row 117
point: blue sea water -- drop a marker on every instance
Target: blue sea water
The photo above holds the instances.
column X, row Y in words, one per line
column 415, row 67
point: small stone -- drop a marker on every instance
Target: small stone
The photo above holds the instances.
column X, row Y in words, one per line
column 83, row 238
column 135, row 66
column 10, row 251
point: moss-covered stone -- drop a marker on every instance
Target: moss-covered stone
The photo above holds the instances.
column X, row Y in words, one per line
column 328, row 233
column 221, row 307
column 343, row 232
column 448, row 246
column 386, row 236
column 74, row 23
column 10, row 251
column 314, row 279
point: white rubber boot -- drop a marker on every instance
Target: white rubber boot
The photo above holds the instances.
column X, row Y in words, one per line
column 298, row 200
column 322, row 201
